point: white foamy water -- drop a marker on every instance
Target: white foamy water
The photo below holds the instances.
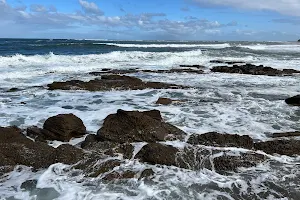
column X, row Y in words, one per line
column 213, row 46
column 226, row 103
column 289, row 48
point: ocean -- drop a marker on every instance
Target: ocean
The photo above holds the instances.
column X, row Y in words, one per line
column 214, row 102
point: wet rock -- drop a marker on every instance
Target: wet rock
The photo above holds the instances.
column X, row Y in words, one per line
column 89, row 141
column 109, row 82
column 193, row 66
column 196, row 158
column 221, row 140
column 155, row 114
column 155, row 153
column 253, row 70
column 29, row 185
column 283, row 147
column 119, row 175
column 134, row 126
column 147, row 174
column 226, row 62
column 68, row 154
column 294, row 101
column 13, row 90
column 287, row 134
column 164, row 101
column 63, row 127
column 17, row 149
column 36, row 133
column 109, row 148
column 232, row 163
column 105, row 167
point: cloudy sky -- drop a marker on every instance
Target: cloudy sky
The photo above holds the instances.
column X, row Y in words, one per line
column 267, row 20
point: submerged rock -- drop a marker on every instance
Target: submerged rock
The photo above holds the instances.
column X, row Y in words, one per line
column 109, row 82
column 221, row 140
column 164, row 101
column 135, row 126
column 63, row 127
column 294, row 101
column 283, row 147
column 253, row 70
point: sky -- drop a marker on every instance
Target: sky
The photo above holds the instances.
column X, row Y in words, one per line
column 254, row 20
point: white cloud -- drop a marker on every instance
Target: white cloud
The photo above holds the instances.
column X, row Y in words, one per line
column 287, row 7
column 90, row 7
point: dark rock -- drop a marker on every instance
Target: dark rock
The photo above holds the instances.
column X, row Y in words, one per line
column 109, row 148
column 146, row 174
column 17, row 149
column 283, row 147
column 89, row 141
column 164, row 101
column 106, row 167
column 217, row 61
column 29, row 185
column 193, row 66
column 294, row 101
column 253, row 70
column 155, row 153
column 287, row 134
column 23, row 103
column 68, row 154
column 109, row 82
column 119, row 175
column 134, row 126
column 13, row 90
column 64, row 127
column 231, row 163
column 196, row 158
column 221, row 140
column 155, row 114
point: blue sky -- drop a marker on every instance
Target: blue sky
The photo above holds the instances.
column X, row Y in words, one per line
column 267, row 20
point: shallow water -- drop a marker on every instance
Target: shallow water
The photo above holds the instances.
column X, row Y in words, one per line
column 226, row 103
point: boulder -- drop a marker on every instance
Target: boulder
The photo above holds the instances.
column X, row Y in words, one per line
column 196, row 158
column 282, row 147
column 17, row 149
column 63, row 127
column 135, row 126
column 109, row 82
column 294, row 101
column 253, row 70
column 164, row 101
column 221, row 140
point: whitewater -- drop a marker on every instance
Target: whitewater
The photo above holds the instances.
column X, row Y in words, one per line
column 225, row 103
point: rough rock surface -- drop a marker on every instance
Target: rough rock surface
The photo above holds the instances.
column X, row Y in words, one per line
column 221, row 140
column 109, row 82
column 16, row 149
column 253, row 70
column 283, row 147
column 287, row 134
column 63, row 127
column 135, row 126
column 295, row 101
column 196, row 158
column 164, row 101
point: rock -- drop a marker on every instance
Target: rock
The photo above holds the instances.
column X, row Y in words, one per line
column 63, row 127
column 287, row 134
column 68, row 154
column 226, row 62
column 109, row 82
column 283, row 147
column 36, row 133
column 89, row 141
column 13, row 90
column 193, row 66
column 105, row 167
column 109, row 148
column 196, row 158
column 155, row 114
column 155, row 153
column 231, row 163
column 119, row 175
column 221, row 140
column 147, row 174
column 253, row 70
column 135, row 126
column 17, row 149
column 164, row 101
column 294, row 101
column 29, row 185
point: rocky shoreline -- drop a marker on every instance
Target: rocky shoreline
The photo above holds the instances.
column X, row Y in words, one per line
column 117, row 136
